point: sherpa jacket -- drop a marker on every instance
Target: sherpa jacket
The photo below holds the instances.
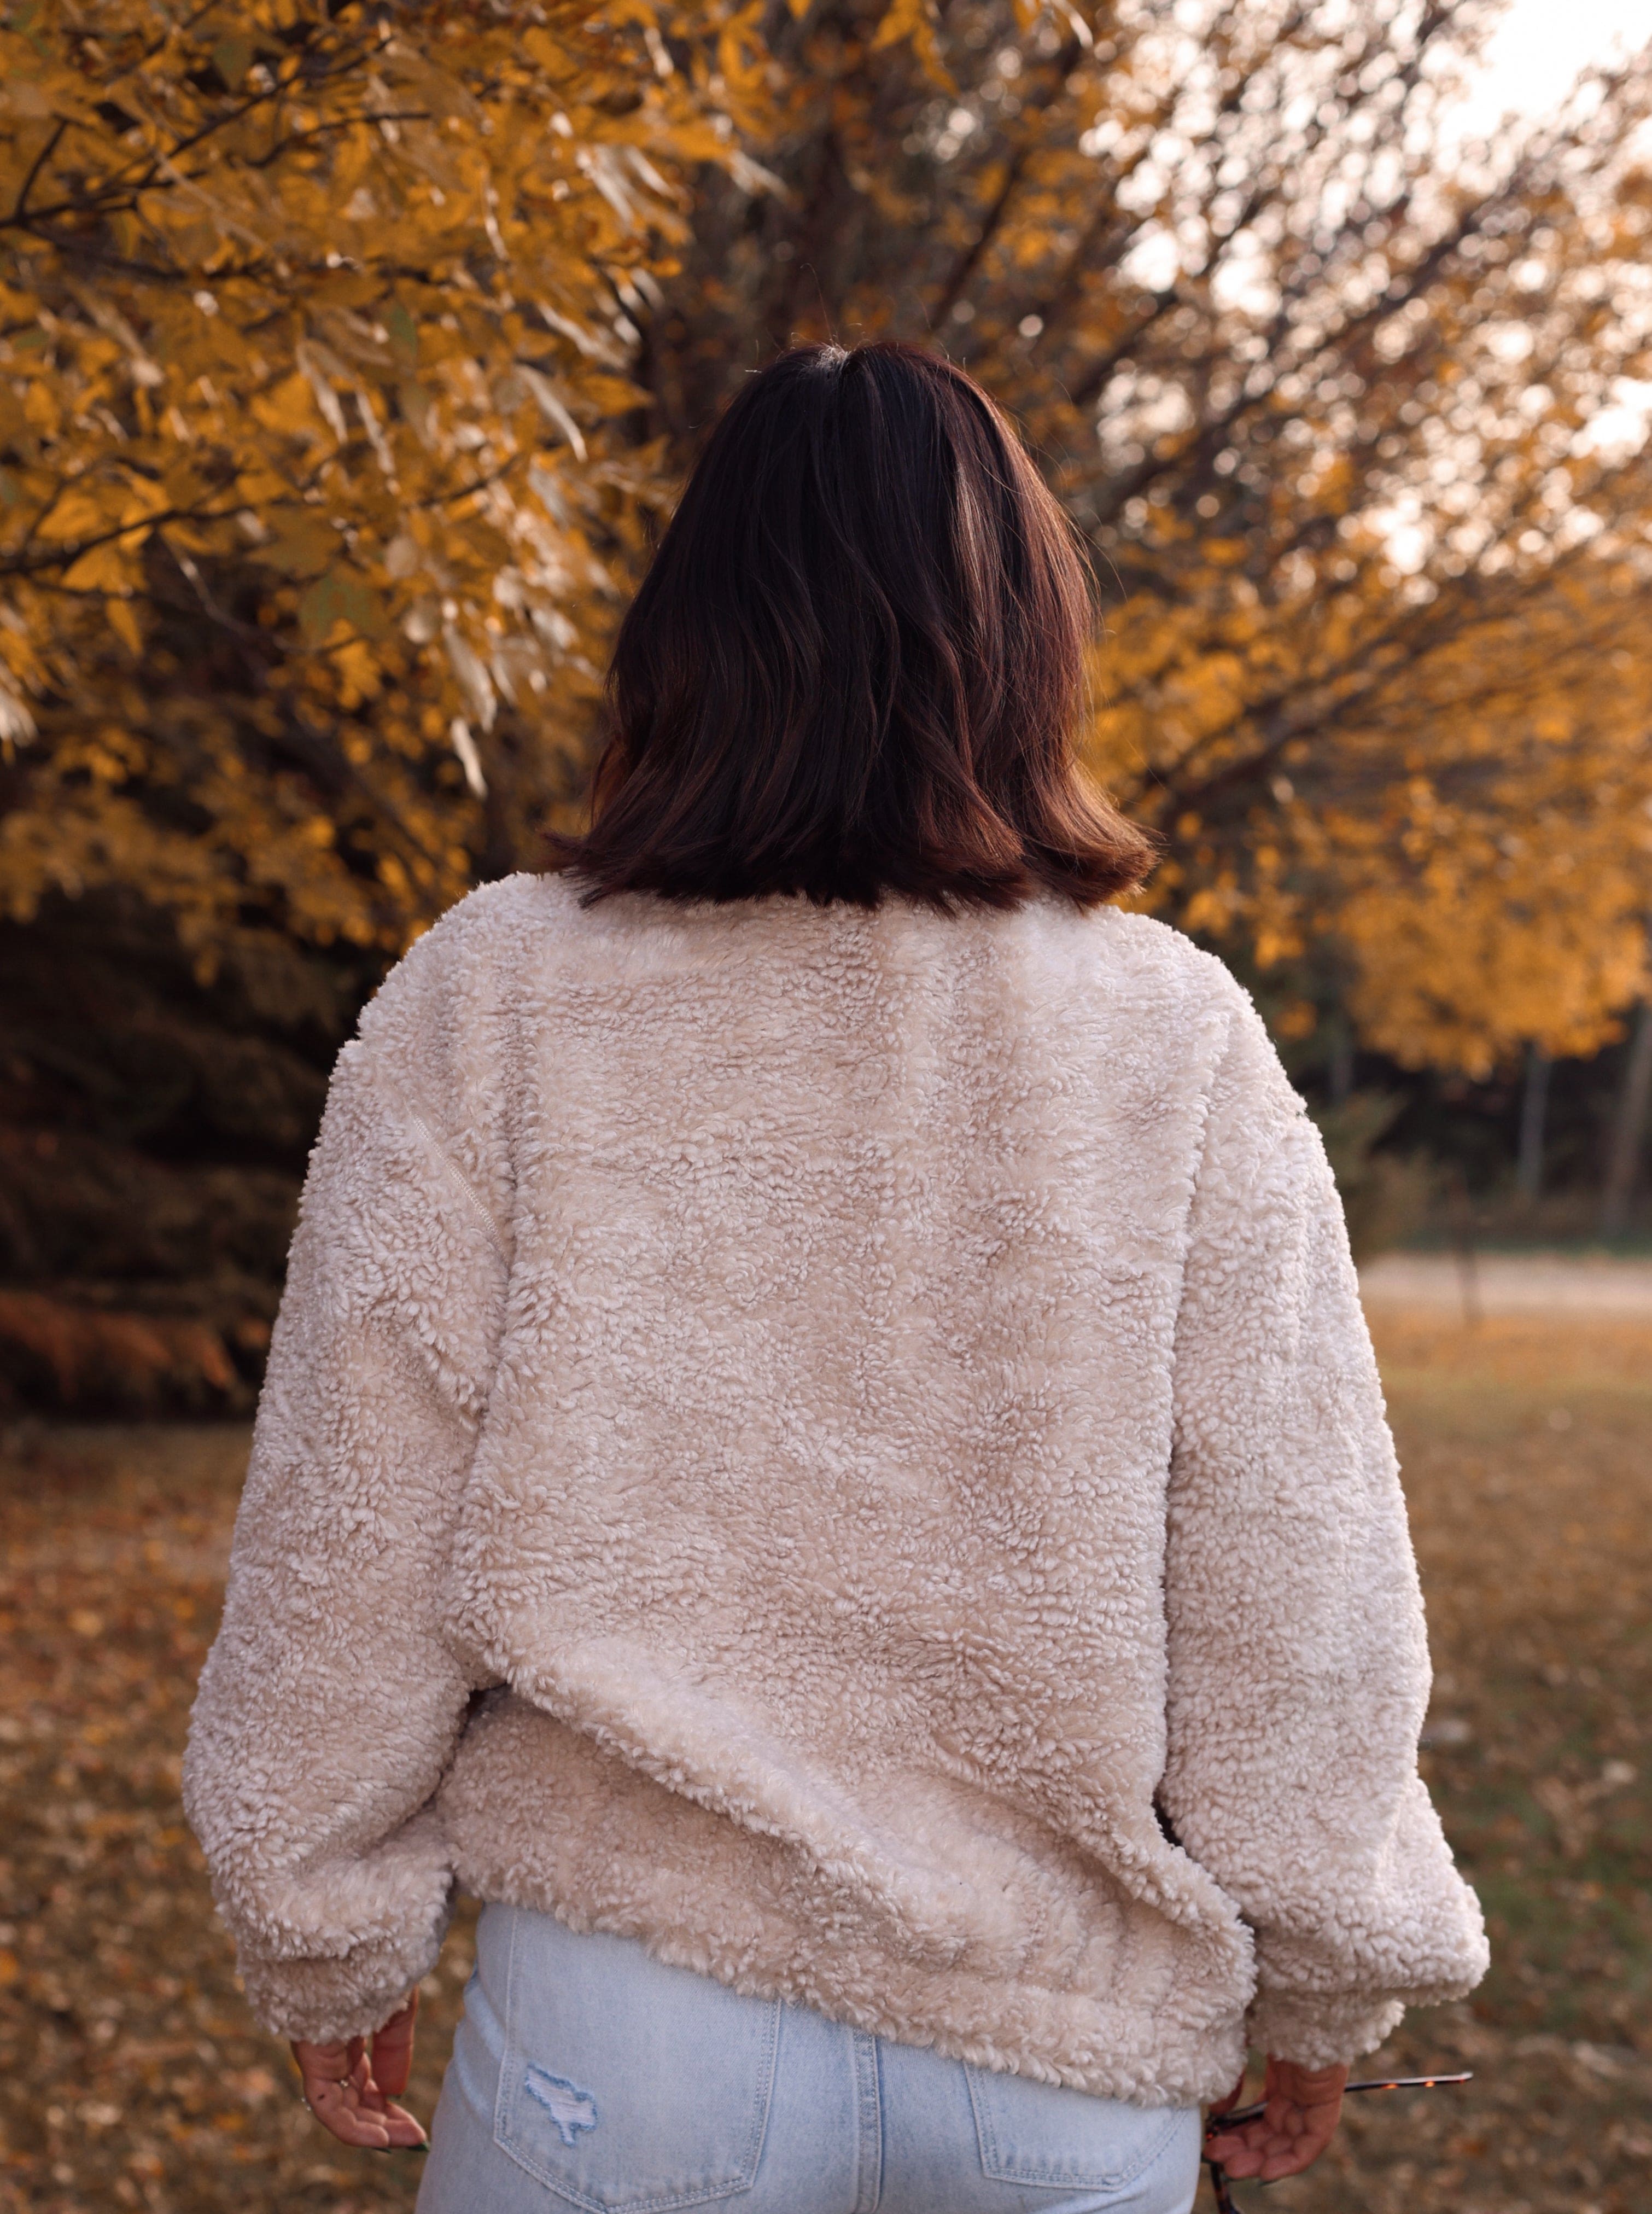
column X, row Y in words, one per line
column 844, row 1446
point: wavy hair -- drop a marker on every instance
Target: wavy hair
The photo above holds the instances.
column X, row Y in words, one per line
column 855, row 663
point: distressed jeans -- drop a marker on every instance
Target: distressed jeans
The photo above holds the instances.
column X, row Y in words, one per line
column 587, row 2074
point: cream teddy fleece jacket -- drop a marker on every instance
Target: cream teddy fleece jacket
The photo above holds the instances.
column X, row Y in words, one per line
column 843, row 1445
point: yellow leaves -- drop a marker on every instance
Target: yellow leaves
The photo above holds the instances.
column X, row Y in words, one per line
column 36, row 87
column 914, row 21
column 299, row 376
column 1467, row 825
column 260, row 486
column 122, row 619
column 338, row 598
column 359, row 674
column 319, row 366
column 81, row 512
column 232, row 58
column 1499, row 895
column 107, row 568
column 553, row 406
column 95, row 508
column 542, row 48
column 302, row 542
column 401, row 333
column 287, row 407
column 1213, row 908
column 109, row 754
column 613, row 395
column 1445, row 976
column 1273, row 945
column 183, row 487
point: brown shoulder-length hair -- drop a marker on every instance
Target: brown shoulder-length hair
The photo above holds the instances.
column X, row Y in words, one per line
column 856, row 660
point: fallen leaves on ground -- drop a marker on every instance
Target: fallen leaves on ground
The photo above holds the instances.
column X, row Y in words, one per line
column 131, row 2074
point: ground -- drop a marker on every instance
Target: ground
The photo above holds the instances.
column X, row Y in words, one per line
column 130, row 2076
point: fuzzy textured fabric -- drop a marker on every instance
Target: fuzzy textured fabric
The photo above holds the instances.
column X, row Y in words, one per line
column 796, row 1435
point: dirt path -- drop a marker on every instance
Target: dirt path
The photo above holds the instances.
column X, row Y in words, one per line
column 1511, row 1283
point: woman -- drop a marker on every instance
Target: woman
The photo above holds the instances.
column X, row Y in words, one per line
column 821, row 1454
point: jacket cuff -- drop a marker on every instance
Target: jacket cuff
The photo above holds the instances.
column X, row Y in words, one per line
column 1320, row 2030
column 350, row 1995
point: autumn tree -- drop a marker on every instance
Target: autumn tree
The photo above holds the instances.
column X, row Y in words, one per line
column 315, row 319
column 319, row 494
column 1338, row 406
column 300, row 299
column 350, row 357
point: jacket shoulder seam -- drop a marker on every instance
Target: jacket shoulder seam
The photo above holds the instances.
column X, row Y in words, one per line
column 478, row 1205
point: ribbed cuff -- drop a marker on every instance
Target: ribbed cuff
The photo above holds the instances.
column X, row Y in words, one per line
column 351, row 1995
column 1319, row 2030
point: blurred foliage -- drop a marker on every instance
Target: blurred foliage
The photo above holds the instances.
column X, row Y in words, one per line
column 1387, row 1196
column 153, row 1139
column 350, row 355
column 322, row 479
column 313, row 518
column 1340, row 412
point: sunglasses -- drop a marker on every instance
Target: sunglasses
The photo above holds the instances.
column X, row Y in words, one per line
column 1219, row 2123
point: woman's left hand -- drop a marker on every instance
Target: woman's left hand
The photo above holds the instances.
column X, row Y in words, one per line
column 1302, row 2108
column 350, row 2087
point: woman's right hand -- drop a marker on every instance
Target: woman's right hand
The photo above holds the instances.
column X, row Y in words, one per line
column 1302, row 2107
column 348, row 2087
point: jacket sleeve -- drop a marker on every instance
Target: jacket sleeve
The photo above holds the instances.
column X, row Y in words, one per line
column 330, row 1703
column 1298, row 1670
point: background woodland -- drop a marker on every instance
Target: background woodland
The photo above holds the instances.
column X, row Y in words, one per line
column 349, row 359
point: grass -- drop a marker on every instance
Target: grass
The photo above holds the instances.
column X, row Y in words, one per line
column 130, row 2074
column 1528, row 1451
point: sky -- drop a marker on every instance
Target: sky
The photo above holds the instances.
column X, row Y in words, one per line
column 1538, row 48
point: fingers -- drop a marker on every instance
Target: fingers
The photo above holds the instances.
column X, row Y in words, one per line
column 341, row 2089
column 393, row 2049
column 1298, row 2122
column 334, row 2086
column 358, row 2113
column 339, row 2107
column 325, row 2064
column 1263, row 2148
column 1313, row 2090
column 1255, row 2149
column 1229, row 2143
column 1241, row 2151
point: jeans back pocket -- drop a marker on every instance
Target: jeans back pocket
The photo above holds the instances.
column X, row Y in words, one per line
column 1042, row 2133
column 628, row 2087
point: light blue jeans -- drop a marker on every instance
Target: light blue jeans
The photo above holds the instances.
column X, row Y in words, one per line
column 586, row 2074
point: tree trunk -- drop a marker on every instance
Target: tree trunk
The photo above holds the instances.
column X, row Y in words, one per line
column 1628, row 1128
column 1534, row 1110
